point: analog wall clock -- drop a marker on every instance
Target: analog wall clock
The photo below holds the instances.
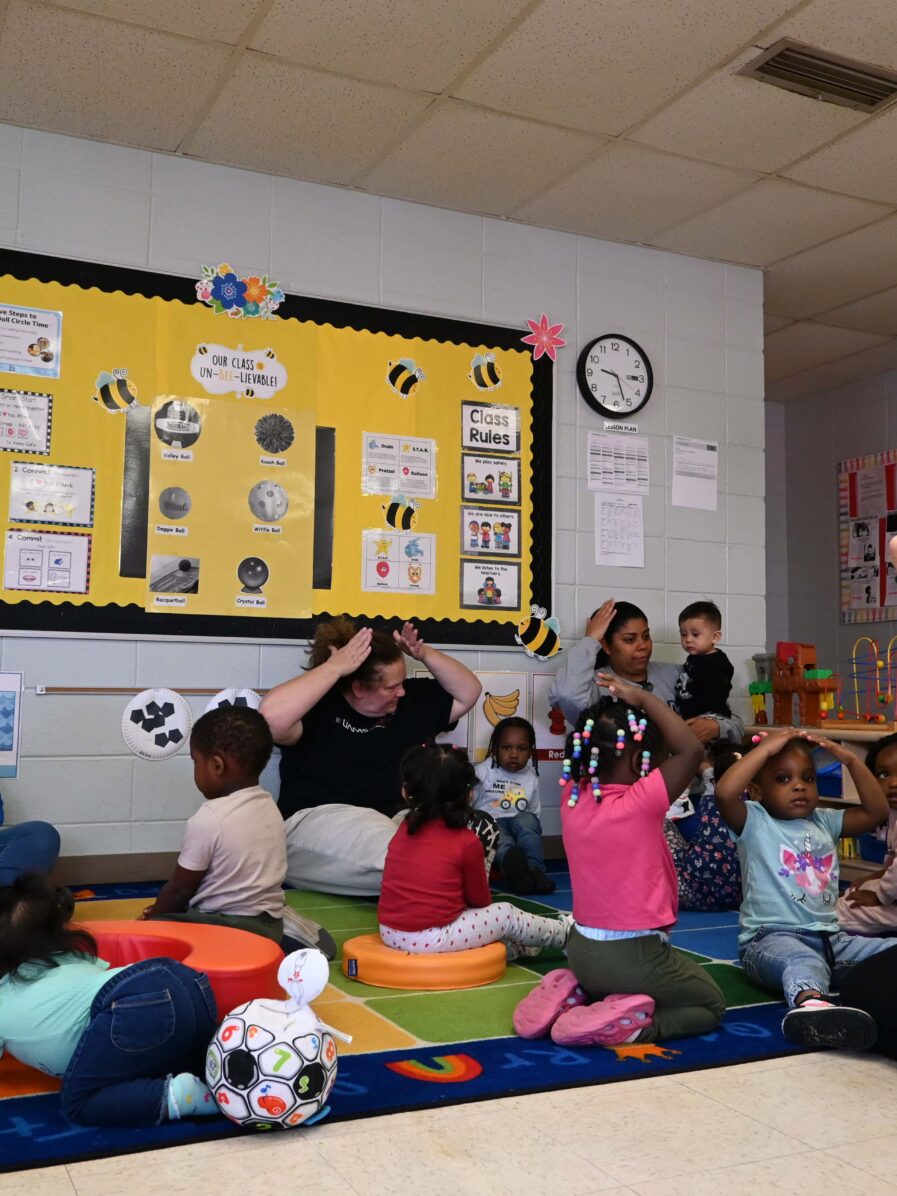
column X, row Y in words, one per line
column 614, row 376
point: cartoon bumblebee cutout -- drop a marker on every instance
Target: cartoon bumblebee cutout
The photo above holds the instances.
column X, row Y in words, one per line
column 114, row 392
column 539, row 636
column 404, row 377
column 401, row 513
column 484, row 373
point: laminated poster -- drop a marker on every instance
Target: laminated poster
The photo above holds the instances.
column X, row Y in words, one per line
column 40, row 493
column 490, row 479
column 30, row 341
column 10, row 722
column 404, row 562
column 398, row 465
column 490, row 585
column 52, row 561
column 485, row 530
column 25, row 421
column 229, row 466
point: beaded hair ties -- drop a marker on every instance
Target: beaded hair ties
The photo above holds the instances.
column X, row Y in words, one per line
column 581, row 739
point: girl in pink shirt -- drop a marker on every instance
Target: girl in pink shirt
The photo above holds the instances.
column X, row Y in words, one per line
column 629, row 757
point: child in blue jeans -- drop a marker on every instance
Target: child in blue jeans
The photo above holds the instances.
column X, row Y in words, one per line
column 788, row 847
column 508, row 789
column 127, row 1042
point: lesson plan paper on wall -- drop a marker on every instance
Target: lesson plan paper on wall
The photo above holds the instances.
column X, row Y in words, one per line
column 618, row 464
column 695, row 473
column 619, row 530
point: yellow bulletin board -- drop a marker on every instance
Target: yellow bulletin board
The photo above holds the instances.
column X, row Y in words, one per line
column 166, row 470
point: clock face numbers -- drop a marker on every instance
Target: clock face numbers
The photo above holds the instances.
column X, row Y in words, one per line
column 614, row 376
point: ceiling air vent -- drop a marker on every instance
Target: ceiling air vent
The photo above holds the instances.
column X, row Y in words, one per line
column 823, row 76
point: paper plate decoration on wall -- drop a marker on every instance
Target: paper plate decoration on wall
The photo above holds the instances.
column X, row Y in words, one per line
column 401, row 513
column 114, row 392
column 404, row 377
column 256, row 296
column 544, row 337
column 156, row 724
column 235, row 697
column 485, row 374
column 538, row 636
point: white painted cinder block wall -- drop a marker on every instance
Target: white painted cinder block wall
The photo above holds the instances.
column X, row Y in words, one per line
column 700, row 322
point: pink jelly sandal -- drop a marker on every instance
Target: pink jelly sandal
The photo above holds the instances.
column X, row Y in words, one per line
column 556, row 992
column 610, row 1022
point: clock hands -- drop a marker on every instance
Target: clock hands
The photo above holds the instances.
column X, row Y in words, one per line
column 619, row 383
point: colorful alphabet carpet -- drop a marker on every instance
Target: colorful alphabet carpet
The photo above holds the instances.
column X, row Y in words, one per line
column 412, row 1050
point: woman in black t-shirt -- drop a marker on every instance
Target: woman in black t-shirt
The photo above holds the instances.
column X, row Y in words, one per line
column 343, row 727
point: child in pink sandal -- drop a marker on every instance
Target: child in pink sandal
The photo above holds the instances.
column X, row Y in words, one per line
column 557, row 992
column 625, row 893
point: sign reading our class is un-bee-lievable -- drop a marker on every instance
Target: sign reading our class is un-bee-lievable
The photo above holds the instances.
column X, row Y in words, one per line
column 490, row 426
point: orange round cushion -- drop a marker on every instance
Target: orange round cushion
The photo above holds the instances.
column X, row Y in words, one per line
column 240, row 966
column 368, row 959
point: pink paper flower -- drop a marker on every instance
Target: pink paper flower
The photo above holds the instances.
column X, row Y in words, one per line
column 545, row 338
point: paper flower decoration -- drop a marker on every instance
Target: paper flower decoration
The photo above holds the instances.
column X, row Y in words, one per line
column 545, row 338
column 225, row 292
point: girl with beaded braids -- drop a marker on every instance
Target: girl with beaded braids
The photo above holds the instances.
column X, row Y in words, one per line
column 629, row 757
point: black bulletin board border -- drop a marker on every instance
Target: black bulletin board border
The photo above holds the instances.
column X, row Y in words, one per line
column 133, row 620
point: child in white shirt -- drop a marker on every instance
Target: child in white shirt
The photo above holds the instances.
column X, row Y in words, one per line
column 508, row 789
column 234, row 860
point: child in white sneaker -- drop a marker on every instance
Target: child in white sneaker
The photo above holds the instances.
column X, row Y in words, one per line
column 870, row 905
column 790, row 939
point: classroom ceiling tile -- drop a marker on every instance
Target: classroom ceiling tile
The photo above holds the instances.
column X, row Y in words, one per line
column 208, row 20
column 110, row 82
column 831, row 275
column 868, row 363
column 293, row 121
column 803, row 345
column 408, row 43
column 628, row 193
column 738, row 121
column 601, row 67
column 876, row 313
column 862, row 163
column 463, row 157
column 769, row 221
column 862, row 31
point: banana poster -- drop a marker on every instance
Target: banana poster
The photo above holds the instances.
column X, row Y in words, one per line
column 166, row 467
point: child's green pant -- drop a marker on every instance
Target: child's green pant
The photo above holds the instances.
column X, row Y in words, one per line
column 687, row 999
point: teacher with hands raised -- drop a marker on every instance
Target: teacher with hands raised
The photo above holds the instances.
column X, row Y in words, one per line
column 621, row 631
column 343, row 727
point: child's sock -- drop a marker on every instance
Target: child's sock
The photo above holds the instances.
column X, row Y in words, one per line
column 188, row 1096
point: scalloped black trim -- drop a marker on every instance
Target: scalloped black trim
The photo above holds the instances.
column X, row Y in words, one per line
column 133, row 620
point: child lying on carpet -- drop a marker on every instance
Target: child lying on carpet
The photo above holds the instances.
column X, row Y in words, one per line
column 790, row 939
column 435, row 895
column 234, row 859
column 625, row 896
column 870, row 905
column 127, row 1042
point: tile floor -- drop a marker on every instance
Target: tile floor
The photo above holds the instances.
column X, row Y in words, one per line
column 806, row 1123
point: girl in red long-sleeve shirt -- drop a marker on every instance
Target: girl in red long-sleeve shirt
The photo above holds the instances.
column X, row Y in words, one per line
column 435, row 895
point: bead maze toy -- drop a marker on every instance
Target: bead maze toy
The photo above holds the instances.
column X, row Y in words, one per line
column 874, row 686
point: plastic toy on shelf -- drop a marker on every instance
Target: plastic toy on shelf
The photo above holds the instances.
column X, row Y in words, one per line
column 795, row 674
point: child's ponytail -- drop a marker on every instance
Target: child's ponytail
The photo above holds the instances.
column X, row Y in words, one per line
column 436, row 782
